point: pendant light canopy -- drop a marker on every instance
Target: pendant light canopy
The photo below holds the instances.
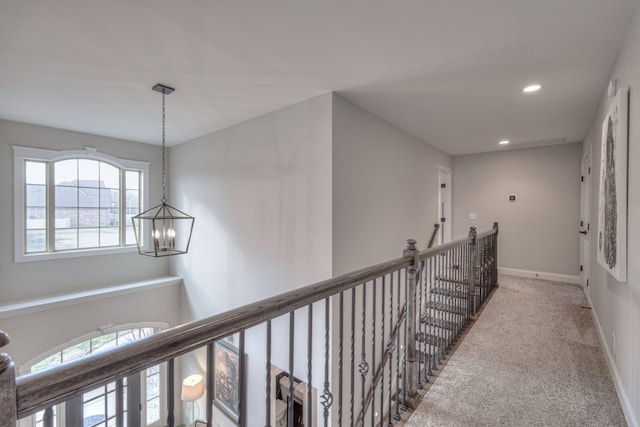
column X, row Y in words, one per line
column 170, row 229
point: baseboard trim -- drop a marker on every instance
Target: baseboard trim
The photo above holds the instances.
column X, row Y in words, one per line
column 566, row 278
column 631, row 418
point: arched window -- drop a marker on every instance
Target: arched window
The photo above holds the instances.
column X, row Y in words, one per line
column 97, row 407
column 72, row 203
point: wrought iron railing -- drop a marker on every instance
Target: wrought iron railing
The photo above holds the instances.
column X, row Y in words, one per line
column 351, row 350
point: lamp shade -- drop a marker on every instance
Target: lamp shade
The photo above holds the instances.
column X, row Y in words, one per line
column 192, row 388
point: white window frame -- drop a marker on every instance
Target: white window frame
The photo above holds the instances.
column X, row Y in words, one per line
column 23, row 154
column 61, row 407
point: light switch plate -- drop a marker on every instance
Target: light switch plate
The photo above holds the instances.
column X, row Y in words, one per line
column 473, row 215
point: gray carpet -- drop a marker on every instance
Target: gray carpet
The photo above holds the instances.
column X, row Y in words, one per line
column 532, row 359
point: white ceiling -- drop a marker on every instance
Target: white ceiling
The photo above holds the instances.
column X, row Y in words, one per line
column 451, row 72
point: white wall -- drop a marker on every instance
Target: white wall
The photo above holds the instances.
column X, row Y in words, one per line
column 37, row 279
column 38, row 332
column 385, row 188
column 539, row 231
column 261, row 195
column 19, row 282
column 616, row 306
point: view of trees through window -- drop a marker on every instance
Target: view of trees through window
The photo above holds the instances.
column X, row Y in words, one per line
column 99, row 405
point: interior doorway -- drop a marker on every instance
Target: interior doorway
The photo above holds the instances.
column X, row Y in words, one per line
column 444, row 204
column 585, row 218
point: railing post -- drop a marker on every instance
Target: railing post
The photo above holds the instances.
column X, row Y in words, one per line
column 471, row 275
column 412, row 367
column 495, row 255
column 8, row 413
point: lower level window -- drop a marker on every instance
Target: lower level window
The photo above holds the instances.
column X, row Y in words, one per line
column 98, row 406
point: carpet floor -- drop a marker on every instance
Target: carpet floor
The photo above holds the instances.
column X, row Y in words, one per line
column 531, row 359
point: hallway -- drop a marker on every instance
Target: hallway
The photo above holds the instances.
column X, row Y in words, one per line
column 532, row 359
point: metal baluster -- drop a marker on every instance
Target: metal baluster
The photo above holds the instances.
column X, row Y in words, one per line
column 431, row 317
column 403, row 406
column 373, row 354
column 47, row 417
column 309, row 363
column 382, row 346
column 472, row 270
column 454, row 294
column 446, row 333
column 119, row 403
column 363, row 365
column 291, row 383
column 390, row 346
column 495, row 254
column 170, row 391
column 423, row 319
column 353, row 340
column 419, row 345
column 267, row 421
column 340, row 357
column 461, row 306
column 242, row 401
column 441, row 313
column 459, row 261
column 209, row 385
column 396, row 416
column 326, row 398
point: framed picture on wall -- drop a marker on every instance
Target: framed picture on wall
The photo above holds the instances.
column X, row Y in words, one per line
column 226, row 384
column 612, row 204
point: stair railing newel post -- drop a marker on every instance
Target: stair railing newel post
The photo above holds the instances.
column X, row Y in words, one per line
column 412, row 367
column 471, row 274
column 8, row 399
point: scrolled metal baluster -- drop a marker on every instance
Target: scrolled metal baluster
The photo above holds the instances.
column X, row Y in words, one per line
column 292, row 319
column 382, row 347
column 396, row 415
column 373, row 353
column 423, row 319
column 404, row 406
column 327, row 398
column 363, row 366
column 353, row 351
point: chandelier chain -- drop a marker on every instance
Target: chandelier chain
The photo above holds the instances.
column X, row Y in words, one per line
column 164, row 191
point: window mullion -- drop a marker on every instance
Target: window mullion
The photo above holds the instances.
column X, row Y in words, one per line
column 123, row 207
column 51, row 207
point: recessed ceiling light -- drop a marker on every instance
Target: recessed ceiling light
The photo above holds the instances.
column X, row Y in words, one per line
column 504, row 142
column 532, row 88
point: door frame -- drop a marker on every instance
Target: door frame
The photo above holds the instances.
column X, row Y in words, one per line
column 585, row 220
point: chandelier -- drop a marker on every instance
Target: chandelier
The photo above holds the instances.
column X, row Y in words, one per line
column 169, row 228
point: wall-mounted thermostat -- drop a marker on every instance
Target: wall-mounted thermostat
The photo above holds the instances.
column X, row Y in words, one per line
column 512, row 197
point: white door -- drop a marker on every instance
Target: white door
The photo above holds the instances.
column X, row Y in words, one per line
column 444, row 204
column 585, row 226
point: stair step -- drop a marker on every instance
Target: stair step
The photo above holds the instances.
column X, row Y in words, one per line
column 430, row 339
column 439, row 323
column 452, row 293
column 460, row 282
column 461, row 311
